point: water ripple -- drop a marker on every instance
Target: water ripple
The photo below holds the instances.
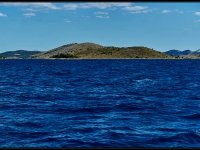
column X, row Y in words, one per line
column 99, row 103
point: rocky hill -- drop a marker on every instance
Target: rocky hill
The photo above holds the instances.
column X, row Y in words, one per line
column 19, row 54
column 92, row 50
column 178, row 52
column 184, row 54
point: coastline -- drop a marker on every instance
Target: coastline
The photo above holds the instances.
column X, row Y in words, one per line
column 97, row 58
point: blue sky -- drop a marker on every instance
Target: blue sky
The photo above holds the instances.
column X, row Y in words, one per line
column 43, row 26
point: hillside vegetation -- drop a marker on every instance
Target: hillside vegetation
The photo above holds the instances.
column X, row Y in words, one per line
column 92, row 50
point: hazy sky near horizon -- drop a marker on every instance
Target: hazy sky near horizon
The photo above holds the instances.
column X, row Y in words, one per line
column 43, row 26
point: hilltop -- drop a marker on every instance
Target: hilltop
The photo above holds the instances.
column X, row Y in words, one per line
column 92, row 50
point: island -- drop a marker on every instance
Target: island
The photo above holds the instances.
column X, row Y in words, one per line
column 93, row 50
column 90, row 50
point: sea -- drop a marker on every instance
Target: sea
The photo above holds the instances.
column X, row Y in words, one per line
column 100, row 103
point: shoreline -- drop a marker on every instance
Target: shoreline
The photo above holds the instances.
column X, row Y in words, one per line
column 94, row 58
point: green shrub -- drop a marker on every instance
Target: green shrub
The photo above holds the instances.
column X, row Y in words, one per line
column 63, row 56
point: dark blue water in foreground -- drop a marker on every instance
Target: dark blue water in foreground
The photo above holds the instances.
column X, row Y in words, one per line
column 99, row 103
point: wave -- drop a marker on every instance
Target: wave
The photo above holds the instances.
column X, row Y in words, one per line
column 169, row 130
column 144, row 82
column 178, row 139
column 193, row 116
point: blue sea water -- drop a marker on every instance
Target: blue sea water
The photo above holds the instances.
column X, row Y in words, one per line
column 99, row 103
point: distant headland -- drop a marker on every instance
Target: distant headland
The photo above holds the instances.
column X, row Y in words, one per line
column 92, row 50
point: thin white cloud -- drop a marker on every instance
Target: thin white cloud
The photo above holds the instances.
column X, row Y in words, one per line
column 30, row 10
column 30, row 14
column 35, row 5
column 104, row 5
column 40, row 6
column 137, row 9
column 68, row 21
column 101, row 13
column 103, row 16
column 166, row 11
column 197, row 13
column 3, row 15
column 73, row 6
column 130, row 7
